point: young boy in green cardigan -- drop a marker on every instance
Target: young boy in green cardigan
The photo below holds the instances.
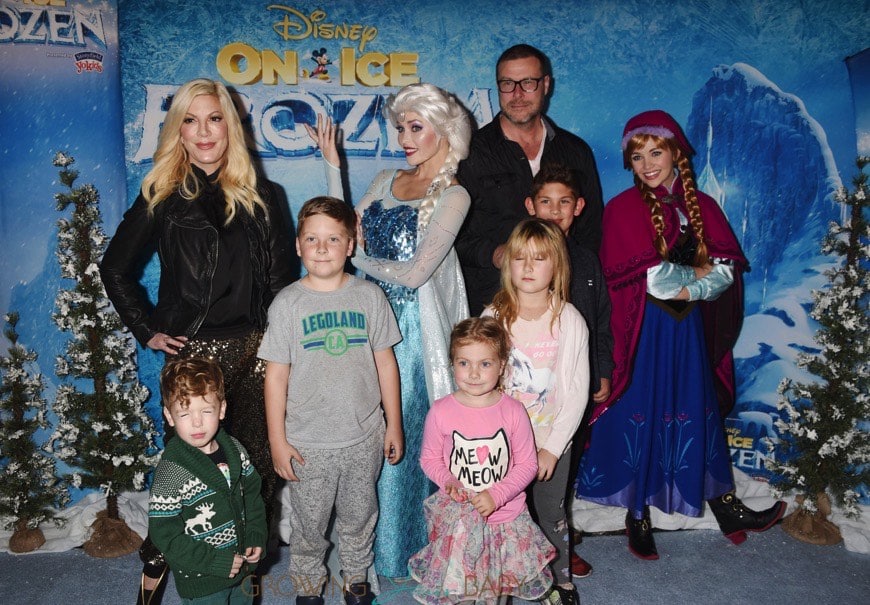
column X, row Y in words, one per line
column 205, row 512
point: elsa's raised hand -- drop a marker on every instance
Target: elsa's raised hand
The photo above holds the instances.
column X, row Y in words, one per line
column 325, row 137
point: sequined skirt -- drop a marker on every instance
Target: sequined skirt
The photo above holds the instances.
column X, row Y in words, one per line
column 245, row 420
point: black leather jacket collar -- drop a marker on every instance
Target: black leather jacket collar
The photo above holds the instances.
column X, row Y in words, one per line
column 186, row 240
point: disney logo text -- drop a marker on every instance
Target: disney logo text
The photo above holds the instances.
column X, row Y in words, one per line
column 294, row 25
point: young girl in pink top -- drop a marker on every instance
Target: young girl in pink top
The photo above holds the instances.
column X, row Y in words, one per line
column 548, row 372
column 478, row 447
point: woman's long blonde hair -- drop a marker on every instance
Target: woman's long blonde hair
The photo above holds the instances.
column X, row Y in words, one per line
column 172, row 169
column 687, row 176
column 544, row 238
column 449, row 119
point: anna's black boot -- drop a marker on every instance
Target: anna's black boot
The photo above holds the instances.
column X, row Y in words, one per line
column 735, row 519
column 640, row 538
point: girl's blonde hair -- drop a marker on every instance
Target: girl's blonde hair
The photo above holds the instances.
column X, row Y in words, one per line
column 172, row 169
column 449, row 119
column 687, row 176
column 544, row 238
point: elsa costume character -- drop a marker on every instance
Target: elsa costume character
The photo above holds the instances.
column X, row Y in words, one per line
column 407, row 248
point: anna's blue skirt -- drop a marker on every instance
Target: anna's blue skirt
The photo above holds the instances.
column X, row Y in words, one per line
column 662, row 443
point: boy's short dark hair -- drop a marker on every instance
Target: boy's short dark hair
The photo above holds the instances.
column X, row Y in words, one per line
column 183, row 378
column 332, row 207
column 487, row 330
column 554, row 172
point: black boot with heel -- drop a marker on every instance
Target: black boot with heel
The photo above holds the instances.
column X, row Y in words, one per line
column 735, row 518
column 154, row 567
column 640, row 538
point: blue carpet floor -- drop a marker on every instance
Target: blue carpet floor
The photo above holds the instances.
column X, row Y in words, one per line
column 696, row 566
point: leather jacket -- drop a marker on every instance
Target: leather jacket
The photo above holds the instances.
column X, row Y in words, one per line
column 187, row 242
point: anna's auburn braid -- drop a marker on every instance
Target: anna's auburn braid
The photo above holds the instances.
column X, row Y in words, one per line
column 658, row 220
column 685, row 168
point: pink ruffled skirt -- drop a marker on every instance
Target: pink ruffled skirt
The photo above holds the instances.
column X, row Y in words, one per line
column 468, row 559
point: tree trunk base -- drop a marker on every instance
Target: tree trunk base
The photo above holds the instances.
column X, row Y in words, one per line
column 25, row 539
column 111, row 538
column 812, row 528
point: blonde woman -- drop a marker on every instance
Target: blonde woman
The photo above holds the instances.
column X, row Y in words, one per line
column 408, row 223
column 224, row 252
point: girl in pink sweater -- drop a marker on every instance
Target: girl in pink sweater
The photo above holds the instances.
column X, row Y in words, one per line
column 548, row 372
column 478, row 447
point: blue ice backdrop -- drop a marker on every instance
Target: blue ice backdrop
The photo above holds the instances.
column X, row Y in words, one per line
column 760, row 86
column 53, row 98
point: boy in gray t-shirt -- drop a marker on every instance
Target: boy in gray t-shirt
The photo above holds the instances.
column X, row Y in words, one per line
column 326, row 427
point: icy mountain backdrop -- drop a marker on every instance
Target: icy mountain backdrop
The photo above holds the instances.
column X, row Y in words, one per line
column 768, row 164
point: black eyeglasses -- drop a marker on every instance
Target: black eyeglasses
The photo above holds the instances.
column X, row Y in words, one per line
column 527, row 84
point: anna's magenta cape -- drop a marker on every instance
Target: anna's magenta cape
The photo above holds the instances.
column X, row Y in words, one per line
column 627, row 252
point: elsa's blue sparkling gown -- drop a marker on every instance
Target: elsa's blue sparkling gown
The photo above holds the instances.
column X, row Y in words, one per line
column 391, row 233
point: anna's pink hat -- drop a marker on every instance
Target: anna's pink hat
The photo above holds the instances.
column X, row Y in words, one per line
column 657, row 123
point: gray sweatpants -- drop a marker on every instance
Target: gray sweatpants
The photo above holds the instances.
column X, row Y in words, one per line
column 345, row 478
column 548, row 504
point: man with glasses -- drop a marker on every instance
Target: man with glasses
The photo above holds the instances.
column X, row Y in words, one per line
column 504, row 157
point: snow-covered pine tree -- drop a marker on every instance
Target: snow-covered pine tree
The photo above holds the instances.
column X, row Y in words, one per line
column 30, row 489
column 824, row 450
column 102, row 427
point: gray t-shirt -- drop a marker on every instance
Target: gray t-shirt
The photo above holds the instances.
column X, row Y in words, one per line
column 329, row 339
